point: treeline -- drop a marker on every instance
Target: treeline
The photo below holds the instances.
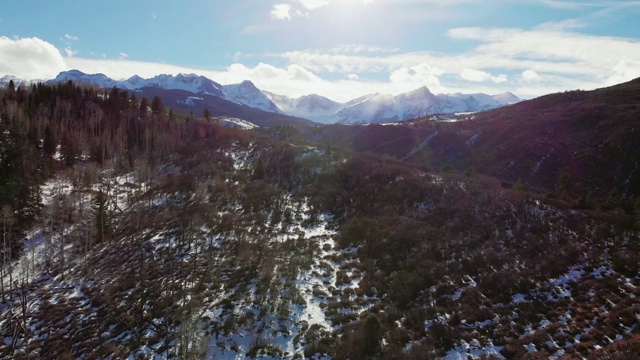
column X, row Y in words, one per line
column 442, row 251
column 44, row 128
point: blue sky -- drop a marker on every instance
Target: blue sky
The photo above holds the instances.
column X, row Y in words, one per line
column 337, row 48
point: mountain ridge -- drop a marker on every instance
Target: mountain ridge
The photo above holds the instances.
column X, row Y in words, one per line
column 134, row 236
column 371, row 108
column 591, row 134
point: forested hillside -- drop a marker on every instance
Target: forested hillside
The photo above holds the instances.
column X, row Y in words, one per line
column 592, row 136
column 133, row 232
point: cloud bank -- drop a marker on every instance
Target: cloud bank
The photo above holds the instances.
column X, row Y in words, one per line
column 529, row 62
column 30, row 58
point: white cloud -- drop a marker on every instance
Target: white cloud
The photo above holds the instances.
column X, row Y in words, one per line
column 500, row 78
column 30, row 58
column 530, row 76
column 303, row 8
column 123, row 56
column 123, row 68
column 482, row 34
column 529, row 62
column 564, row 25
column 481, row 76
column 360, row 48
column 70, row 52
column 263, row 73
column 409, row 78
column 568, row 60
column 625, row 70
column 281, row 12
column 71, row 37
column 313, row 4
column 564, row 53
column 560, row 4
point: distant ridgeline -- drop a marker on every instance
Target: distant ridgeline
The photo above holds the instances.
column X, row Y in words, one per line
column 133, row 231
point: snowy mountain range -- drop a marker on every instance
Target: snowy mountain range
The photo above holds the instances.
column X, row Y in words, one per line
column 4, row 81
column 380, row 108
column 374, row 108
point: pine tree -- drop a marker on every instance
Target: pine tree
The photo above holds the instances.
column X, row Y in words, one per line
column 521, row 187
column 613, row 201
column 7, row 219
column 157, row 107
column 99, row 206
column 259, row 171
column 564, row 185
column 49, row 143
column 69, row 149
column 636, row 212
column 144, row 106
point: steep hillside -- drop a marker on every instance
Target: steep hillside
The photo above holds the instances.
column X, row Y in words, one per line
column 132, row 234
column 186, row 102
column 594, row 134
column 382, row 108
column 248, row 94
column 312, row 107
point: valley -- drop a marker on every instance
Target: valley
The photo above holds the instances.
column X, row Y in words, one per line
column 149, row 234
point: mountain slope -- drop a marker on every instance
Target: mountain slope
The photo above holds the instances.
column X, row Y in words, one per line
column 244, row 93
column 192, row 93
column 381, row 108
column 313, row 107
column 185, row 101
column 4, row 81
column 595, row 134
column 417, row 103
column 190, row 240
column 374, row 108
column 247, row 93
column 79, row 77
column 189, row 82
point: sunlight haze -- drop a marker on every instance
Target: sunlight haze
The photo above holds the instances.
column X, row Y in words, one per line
column 340, row 49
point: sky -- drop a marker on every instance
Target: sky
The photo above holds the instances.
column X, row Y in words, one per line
column 341, row 49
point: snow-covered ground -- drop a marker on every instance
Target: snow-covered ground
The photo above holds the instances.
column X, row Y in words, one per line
column 302, row 302
column 235, row 122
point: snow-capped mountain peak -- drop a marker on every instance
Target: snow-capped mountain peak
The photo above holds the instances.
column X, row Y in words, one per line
column 373, row 108
column 247, row 93
column 81, row 78
column 377, row 108
column 507, row 98
column 8, row 78
column 313, row 107
column 190, row 82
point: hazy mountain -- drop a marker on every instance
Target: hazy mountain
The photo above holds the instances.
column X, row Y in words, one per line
column 247, row 93
column 374, row 108
column 79, row 77
column 186, row 101
column 244, row 93
column 189, row 82
column 313, row 107
column 380, row 108
column 4, row 81
column 594, row 134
